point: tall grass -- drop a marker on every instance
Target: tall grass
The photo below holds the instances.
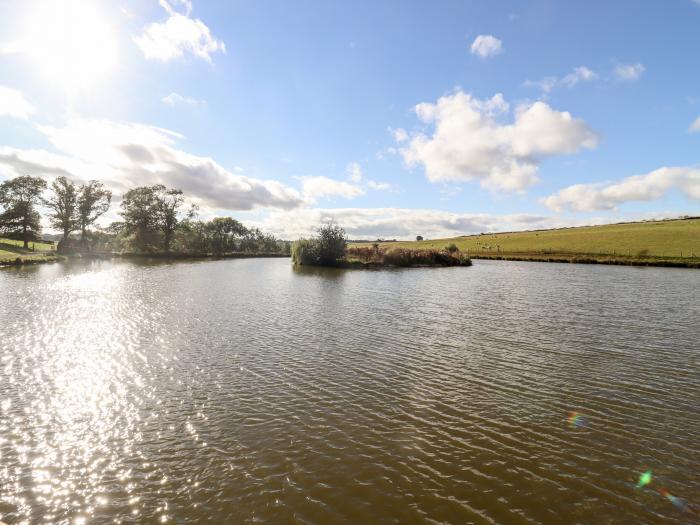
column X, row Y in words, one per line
column 406, row 257
column 305, row 252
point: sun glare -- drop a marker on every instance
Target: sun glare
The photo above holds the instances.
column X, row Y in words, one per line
column 71, row 42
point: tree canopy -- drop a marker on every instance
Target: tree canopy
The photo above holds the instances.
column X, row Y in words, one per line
column 20, row 218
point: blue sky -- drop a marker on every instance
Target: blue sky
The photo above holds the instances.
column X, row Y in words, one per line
column 394, row 118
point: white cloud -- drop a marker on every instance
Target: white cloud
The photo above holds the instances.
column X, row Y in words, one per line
column 174, row 99
column 400, row 223
column 695, row 126
column 379, row 186
column 629, row 71
column 578, row 75
column 13, row 104
column 178, row 35
column 486, row 46
column 469, row 143
column 399, row 134
column 315, row 188
column 650, row 186
column 354, row 172
column 125, row 155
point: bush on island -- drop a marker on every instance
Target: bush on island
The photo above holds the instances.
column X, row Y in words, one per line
column 326, row 249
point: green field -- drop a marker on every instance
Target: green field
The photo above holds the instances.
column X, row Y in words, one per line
column 672, row 239
column 11, row 249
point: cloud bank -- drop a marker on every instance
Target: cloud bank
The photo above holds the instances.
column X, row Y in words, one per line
column 400, row 223
column 125, row 155
column 653, row 185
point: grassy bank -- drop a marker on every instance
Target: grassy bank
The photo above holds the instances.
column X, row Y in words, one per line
column 13, row 254
column 658, row 243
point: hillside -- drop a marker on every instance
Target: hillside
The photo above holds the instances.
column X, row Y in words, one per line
column 671, row 239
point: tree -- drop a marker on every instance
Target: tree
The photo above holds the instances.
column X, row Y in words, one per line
column 63, row 204
column 93, row 202
column 19, row 197
column 169, row 203
column 225, row 231
column 332, row 242
column 141, row 210
column 419, row 237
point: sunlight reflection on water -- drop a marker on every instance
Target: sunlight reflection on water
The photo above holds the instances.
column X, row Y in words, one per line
column 244, row 391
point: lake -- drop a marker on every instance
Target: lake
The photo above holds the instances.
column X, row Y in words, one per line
column 244, row 391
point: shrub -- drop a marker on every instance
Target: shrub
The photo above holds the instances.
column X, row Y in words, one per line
column 419, row 237
column 331, row 243
column 325, row 250
column 452, row 248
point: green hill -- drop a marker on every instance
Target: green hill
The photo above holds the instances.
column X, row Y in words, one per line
column 668, row 240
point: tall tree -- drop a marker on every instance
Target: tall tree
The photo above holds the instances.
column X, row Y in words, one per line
column 93, row 202
column 141, row 211
column 19, row 197
column 169, row 204
column 224, row 231
column 63, row 204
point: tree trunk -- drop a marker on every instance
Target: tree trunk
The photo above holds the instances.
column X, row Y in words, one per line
column 83, row 239
column 24, row 236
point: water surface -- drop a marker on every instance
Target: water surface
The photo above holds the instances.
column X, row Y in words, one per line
column 242, row 391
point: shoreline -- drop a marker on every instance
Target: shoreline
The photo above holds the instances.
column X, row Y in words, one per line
column 571, row 258
column 44, row 259
column 583, row 258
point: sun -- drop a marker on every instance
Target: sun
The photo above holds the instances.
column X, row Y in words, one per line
column 70, row 42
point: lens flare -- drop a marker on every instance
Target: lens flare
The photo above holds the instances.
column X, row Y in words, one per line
column 576, row 420
column 677, row 502
column 644, row 479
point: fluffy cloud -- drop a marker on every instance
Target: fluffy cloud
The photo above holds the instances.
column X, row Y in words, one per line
column 314, row 188
column 653, row 185
column 468, row 141
column 578, row 75
column 629, row 71
column 125, row 155
column 178, row 35
column 486, row 46
column 400, row 223
column 695, row 126
column 13, row 104
column 175, row 99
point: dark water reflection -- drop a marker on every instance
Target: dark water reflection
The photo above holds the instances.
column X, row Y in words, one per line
column 245, row 391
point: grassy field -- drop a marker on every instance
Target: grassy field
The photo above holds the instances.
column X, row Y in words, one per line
column 644, row 241
column 11, row 249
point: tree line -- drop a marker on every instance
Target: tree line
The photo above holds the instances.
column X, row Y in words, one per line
column 154, row 219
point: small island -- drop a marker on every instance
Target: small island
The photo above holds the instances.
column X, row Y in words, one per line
column 329, row 248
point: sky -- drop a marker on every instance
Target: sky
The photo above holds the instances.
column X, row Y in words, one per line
column 392, row 118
